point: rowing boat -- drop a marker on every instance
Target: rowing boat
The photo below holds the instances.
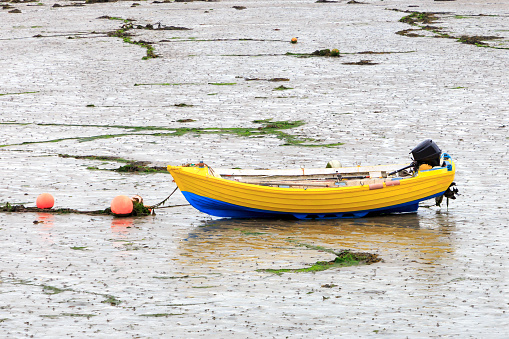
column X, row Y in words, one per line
column 319, row 193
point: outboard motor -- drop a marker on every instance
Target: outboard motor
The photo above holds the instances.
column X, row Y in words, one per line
column 427, row 152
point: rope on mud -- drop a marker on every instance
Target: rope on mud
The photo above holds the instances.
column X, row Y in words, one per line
column 138, row 208
column 174, row 206
column 162, row 202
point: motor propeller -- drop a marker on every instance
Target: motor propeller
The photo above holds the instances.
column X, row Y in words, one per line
column 450, row 193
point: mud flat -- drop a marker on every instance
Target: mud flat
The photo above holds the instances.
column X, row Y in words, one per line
column 88, row 87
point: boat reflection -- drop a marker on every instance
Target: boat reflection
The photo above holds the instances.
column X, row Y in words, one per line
column 240, row 244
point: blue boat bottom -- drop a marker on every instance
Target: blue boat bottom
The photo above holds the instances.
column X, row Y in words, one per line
column 223, row 209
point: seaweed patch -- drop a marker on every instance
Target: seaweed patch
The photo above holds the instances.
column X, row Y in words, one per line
column 268, row 128
column 344, row 258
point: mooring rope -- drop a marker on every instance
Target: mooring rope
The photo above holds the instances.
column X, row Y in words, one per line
column 174, row 206
column 162, row 202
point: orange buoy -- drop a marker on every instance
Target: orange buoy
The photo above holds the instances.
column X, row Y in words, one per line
column 121, row 205
column 294, row 40
column 45, row 200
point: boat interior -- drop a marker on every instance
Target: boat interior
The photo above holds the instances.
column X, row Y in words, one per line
column 318, row 178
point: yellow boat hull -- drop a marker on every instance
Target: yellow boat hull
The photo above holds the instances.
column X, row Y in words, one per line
column 228, row 198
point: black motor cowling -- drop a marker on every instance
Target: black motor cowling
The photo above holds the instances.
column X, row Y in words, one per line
column 427, row 152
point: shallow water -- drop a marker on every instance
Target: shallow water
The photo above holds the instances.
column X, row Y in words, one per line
column 181, row 273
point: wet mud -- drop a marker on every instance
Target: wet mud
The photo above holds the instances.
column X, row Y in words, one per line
column 81, row 97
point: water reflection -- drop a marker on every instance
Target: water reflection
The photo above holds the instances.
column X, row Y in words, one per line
column 45, row 219
column 237, row 243
column 121, row 226
column 46, row 222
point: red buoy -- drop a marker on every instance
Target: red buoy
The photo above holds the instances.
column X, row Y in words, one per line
column 121, row 205
column 45, row 200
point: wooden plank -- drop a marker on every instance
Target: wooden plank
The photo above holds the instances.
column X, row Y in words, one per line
column 306, row 171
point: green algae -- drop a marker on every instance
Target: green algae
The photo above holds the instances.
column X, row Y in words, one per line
column 112, row 300
column 172, row 277
column 268, row 128
column 344, row 258
column 116, row 18
column 47, row 289
column 140, row 210
column 252, row 233
column 419, row 17
column 88, row 316
column 124, row 34
column 7, row 207
column 326, row 52
column 166, row 84
column 203, row 286
column 476, row 40
column 334, row 53
column 423, row 19
column 135, row 167
column 2, row 94
column 282, row 88
column 96, row 157
column 55, row 316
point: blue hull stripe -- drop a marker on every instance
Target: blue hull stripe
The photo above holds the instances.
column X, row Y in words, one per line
column 223, row 209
